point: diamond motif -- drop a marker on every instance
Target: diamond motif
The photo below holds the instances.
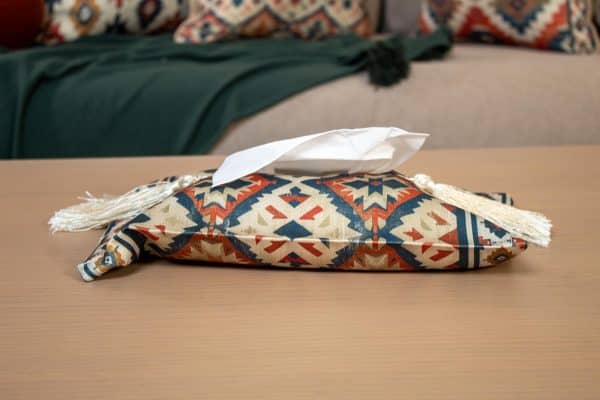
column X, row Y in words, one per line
column 212, row 20
column 561, row 25
column 292, row 230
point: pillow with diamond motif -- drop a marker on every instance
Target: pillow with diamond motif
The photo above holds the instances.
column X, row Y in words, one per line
column 214, row 20
column 340, row 222
column 561, row 25
column 68, row 20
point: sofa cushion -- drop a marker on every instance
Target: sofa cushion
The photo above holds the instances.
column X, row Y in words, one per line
column 348, row 222
column 211, row 21
column 561, row 25
column 68, row 20
column 480, row 96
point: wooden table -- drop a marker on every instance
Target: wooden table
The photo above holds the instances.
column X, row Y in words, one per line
column 526, row 330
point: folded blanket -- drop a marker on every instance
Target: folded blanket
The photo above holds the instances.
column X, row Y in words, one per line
column 125, row 96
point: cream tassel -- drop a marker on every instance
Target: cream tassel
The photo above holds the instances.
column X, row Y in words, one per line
column 528, row 225
column 95, row 213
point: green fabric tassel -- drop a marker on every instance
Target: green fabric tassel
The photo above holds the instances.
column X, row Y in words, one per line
column 387, row 63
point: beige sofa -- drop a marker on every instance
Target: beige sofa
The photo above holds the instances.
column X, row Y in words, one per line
column 481, row 95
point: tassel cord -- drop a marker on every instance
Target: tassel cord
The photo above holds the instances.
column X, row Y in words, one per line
column 95, row 213
column 531, row 226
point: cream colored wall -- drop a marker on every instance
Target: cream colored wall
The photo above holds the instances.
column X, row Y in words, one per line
column 402, row 15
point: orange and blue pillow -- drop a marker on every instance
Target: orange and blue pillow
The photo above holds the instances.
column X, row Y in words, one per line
column 216, row 20
column 561, row 25
column 68, row 20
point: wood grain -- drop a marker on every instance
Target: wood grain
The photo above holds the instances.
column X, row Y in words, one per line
column 529, row 329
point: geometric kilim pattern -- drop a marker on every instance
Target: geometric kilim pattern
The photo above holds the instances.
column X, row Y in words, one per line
column 345, row 222
column 562, row 25
column 68, row 20
column 214, row 20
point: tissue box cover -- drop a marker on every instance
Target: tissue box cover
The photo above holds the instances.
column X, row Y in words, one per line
column 344, row 222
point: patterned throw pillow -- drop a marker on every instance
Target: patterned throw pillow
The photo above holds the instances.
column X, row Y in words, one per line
column 346, row 222
column 563, row 25
column 68, row 20
column 214, row 20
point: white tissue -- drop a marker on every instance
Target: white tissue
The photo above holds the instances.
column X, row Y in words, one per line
column 366, row 150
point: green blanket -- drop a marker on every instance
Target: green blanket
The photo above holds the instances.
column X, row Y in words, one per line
column 125, row 95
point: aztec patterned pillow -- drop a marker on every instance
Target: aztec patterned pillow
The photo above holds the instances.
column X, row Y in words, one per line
column 214, row 20
column 346, row 222
column 562, row 25
column 68, row 20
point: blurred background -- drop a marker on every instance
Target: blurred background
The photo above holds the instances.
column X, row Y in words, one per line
column 83, row 78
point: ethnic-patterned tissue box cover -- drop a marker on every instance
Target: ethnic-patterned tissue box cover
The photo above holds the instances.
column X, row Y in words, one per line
column 68, row 20
column 214, row 20
column 346, row 222
column 562, row 25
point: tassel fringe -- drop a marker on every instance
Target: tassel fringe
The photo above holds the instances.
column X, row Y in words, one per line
column 531, row 226
column 95, row 213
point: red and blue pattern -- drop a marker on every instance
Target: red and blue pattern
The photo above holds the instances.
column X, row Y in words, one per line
column 348, row 222
column 215, row 20
column 562, row 25
column 68, row 20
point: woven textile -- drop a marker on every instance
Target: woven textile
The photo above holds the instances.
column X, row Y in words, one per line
column 71, row 19
column 213, row 20
column 347, row 222
column 562, row 25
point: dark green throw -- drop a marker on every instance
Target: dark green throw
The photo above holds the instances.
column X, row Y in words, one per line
column 126, row 96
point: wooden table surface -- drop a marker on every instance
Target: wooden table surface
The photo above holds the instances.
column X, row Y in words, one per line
column 529, row 329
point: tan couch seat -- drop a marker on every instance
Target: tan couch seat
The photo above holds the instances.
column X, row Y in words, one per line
column 479, row 96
